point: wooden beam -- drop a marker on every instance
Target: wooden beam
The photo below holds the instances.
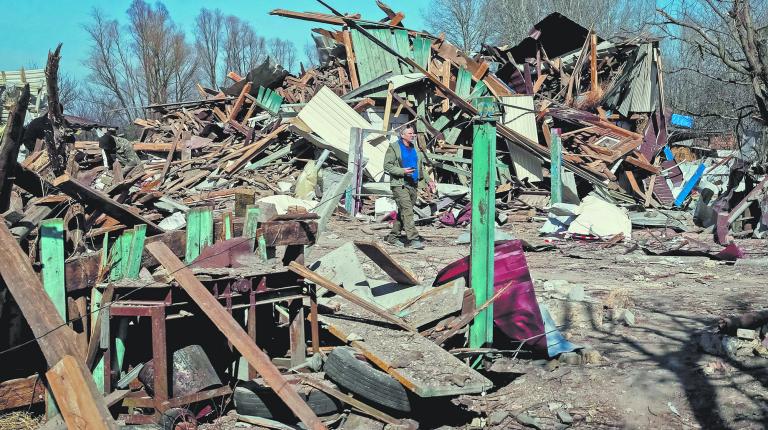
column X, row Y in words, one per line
column 330, row 286
column 388, row 107
column 314, row 17
column 99, row 200
column 281, row 233
column 482, row 229
column 239, row 102
column 9, row 148
column 55, row 338
column 387, row 263
column 224, row 321
column 351, row 59
column 21, row 392
column 76, row 396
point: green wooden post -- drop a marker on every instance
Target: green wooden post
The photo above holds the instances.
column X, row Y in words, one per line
column 252, row 213
column 135, row 251
column 199, row 231
column 556, row 167
column 125, row 253
column 116, row 259
column 52, row 258
column 227, row 225
column 483, row 224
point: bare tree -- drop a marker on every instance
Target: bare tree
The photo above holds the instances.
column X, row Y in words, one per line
column 311, row 55
column 243, row 48
column 512, row 19
column 164, row 58
column 283, row 52
column 209, row 35
column 725, row 48
column 464, row 22
column 147, row 61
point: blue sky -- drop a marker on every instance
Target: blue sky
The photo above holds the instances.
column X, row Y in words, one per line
column 32, row 27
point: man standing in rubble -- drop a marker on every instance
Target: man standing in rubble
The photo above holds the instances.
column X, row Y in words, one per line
column 404, row 163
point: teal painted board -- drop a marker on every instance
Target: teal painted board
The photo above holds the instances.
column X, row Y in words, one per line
column 480, row 90
column 372, row 60
column 252, row 214
column 52, row 259
column 116, row 260
column 422, row 51
column 463, row 83
column 402, row 43
column 136, row 250
column 482, row 230
column 193, row 235
column 206, row 228
column 260, row 94
column 125, row 252
column 385, row 36
column 556, row 167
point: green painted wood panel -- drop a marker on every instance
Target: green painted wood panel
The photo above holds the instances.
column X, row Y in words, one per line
column 193, row 235
column 372, row 60
column 116, row 260
column 422, row 51
column 136, row 250
column 463, row 83
column 556, row 167
column 52, row 259
column 482, row 230
column 402, row 44
column 252, row 213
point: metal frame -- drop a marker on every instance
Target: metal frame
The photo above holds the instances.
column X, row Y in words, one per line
column 243, row 293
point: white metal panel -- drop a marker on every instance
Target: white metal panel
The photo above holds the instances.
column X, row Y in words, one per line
column 519, row 116
column 331, row 118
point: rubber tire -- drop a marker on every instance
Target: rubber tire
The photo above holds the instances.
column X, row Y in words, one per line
column 366, row 382
column 256, row 400
column 170, row 418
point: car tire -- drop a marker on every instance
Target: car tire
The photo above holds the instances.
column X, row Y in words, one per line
column 360, row 378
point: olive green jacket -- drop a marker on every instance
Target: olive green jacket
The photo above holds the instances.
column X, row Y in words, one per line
column 393, row 165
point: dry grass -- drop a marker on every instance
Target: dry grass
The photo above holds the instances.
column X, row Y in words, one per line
column 20, row 420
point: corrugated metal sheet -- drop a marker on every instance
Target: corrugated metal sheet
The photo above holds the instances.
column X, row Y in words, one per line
column 519, row 116
column 16, row 79
column 636, row 89
column 331, row 118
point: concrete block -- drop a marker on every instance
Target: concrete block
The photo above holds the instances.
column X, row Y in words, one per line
column 744, row 333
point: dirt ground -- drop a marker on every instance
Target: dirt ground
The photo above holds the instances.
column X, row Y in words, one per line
column 651, row 375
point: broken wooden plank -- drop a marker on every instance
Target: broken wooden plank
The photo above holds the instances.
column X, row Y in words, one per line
column 330, row 286
column 9, row 146
column 55, row 338
column 21, row 392
column 387, row 263
column 99, row 200
column 282, row 233
column 314, row 17
column 416, row 362
column 81, row 405
column 235, row 334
